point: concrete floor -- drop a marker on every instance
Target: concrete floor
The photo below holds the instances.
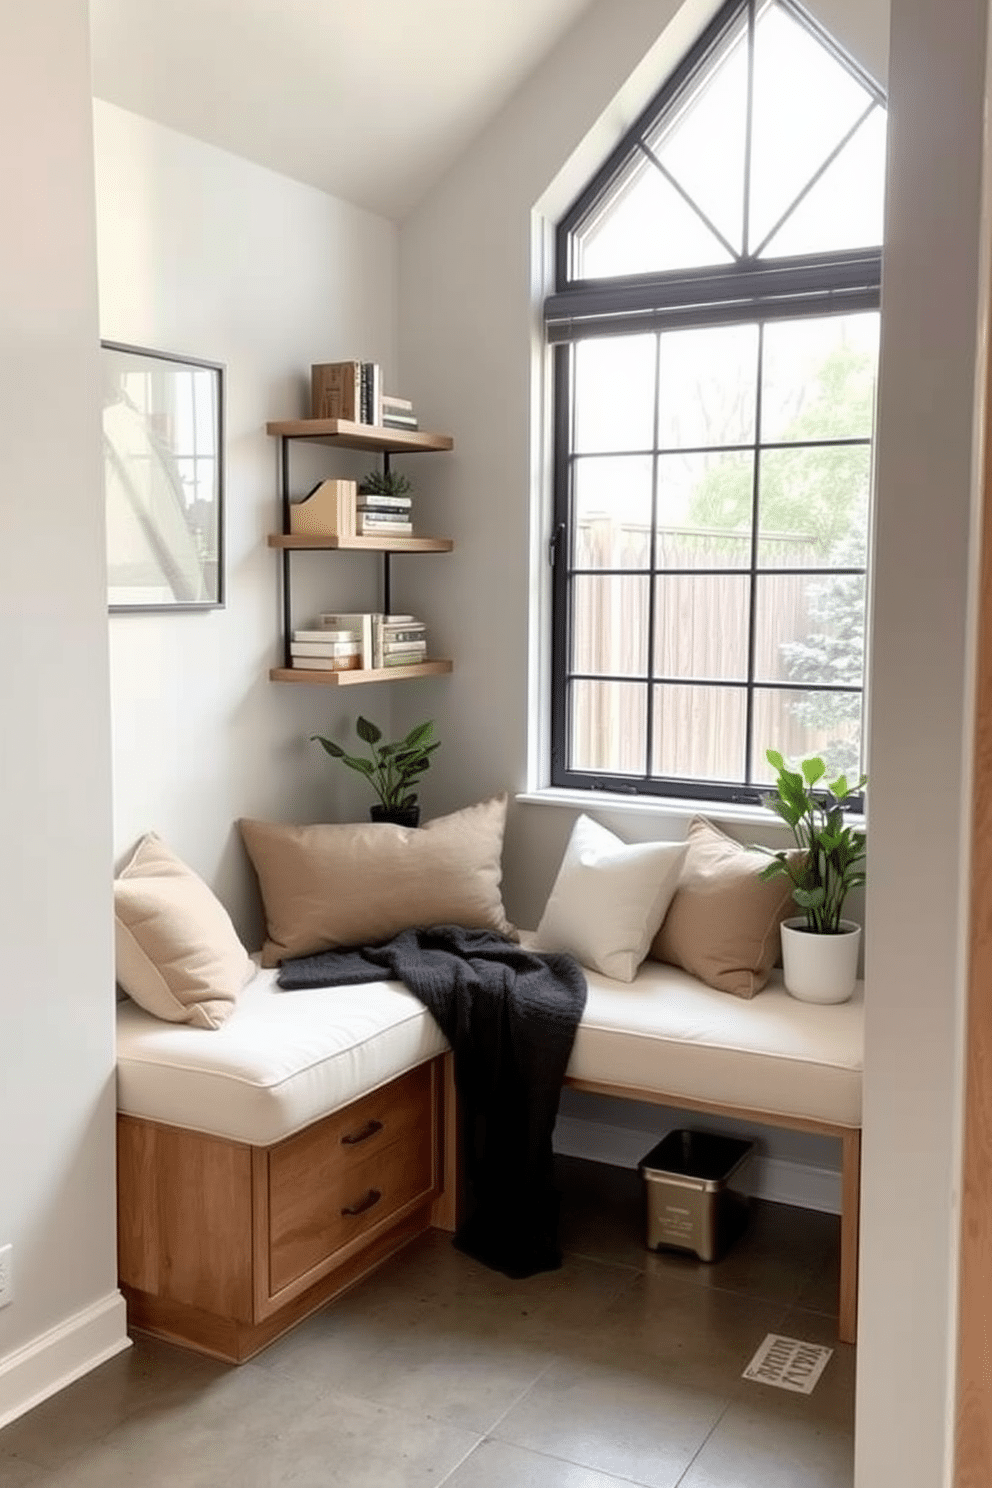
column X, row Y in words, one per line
column 622, row 1368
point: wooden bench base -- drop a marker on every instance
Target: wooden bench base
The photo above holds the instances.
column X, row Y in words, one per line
column 848, row 1136
column 223, row 1246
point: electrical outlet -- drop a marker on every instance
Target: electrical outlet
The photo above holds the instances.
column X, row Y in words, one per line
column 6, row 1275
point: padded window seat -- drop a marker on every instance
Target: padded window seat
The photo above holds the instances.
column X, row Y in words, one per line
column 249, row 1155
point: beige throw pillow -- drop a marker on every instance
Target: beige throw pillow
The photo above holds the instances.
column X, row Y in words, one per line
column 178, row 954
column 357, row 884
column 723, row 922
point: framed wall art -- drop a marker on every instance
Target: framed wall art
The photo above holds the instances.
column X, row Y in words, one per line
column 163, row 452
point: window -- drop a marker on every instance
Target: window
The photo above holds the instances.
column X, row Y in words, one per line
column 715, row 334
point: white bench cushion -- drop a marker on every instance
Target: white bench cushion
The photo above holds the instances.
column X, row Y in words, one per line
column 281, row 1061
column 668, row 1033
column 284, row 1059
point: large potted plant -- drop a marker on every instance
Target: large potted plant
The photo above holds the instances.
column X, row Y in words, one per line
column 819, row 947
column 393, row 770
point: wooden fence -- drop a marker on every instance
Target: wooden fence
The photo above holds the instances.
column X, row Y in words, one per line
column 700, row 632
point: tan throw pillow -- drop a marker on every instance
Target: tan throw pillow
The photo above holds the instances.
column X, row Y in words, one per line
column 360, row 883
column 723, row 923
column 178, row 955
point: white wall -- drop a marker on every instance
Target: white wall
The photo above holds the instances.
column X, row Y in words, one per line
column 203, row 253
column 56, row 995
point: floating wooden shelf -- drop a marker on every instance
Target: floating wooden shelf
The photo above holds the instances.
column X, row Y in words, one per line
column 360, row 436
column 355, row 678
column 362, row 544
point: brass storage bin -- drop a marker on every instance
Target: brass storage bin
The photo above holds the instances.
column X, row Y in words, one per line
column 690, row 1205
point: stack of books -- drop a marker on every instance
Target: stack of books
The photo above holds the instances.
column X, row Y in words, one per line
column 384, row 516
column 398, row 640
column 326, row 650
column 397, row 413
column 378, row 640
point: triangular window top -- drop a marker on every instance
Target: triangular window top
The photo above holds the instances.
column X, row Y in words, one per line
column 768, row 144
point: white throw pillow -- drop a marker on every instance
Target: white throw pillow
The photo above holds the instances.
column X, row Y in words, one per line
column 609, row 899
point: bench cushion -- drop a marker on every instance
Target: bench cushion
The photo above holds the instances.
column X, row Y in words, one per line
column 280, row 1062
column 668, row 1033
column 284, row 1059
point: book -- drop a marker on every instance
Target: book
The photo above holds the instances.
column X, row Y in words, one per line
column 335, row 390
column 399, row 421
column 325, row 635
column 407, row 659
column 371, row 393
column 329, row 510
column 384, row 529
column 417, row 633
column 404, row 648
column 370, row 501
column 363, row 623
column 330, row 648
column 327, row 663
column 392, row 403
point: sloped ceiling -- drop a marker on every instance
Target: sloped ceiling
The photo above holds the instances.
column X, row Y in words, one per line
column 370, row 100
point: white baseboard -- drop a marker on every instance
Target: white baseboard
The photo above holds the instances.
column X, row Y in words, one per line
column 54, row 1359
column 774, row 1178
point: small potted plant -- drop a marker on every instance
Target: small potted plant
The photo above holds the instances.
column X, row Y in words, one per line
column 393, row 770
column 819, row 947
column 385, row 483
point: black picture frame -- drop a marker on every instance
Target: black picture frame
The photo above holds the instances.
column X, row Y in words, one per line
column 163, row 449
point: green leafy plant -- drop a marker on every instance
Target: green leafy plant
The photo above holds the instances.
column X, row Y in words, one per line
column 831, row 856
column 385, row 483
column 393, row 770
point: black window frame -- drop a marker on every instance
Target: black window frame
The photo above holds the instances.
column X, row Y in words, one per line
column 748, row 290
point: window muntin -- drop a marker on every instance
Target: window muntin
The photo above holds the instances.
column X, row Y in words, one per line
column 716, row 335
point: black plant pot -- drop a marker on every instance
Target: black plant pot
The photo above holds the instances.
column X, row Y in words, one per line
column 400, row 816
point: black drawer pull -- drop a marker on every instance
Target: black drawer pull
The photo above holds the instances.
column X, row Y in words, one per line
column 370, row 1200
column 350, row 1139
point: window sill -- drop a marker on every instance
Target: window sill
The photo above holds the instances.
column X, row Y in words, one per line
column 669, row 807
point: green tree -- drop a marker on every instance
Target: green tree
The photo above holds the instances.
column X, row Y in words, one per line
column 816, row 496
column 817, row 493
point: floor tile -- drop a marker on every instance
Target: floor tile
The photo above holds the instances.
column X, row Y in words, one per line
column 692, row 1332
column 343, row 1442
column 460, row 1364
column 755, row 1446
column 496, row 1464
column 195, row 1440
column 17, row 1472
column 623, row 1415
column 150, row 1377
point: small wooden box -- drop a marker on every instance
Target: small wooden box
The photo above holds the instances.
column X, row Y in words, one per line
column 328, row 511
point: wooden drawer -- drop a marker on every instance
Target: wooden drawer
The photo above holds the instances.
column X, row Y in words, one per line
column 348, row 1175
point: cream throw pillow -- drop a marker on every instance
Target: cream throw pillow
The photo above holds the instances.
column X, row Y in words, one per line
column 608, row 899
column 178, row 954
column 723, row 923
column 358, row 884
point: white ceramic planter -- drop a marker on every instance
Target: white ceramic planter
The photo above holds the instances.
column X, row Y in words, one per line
column 820, row 968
